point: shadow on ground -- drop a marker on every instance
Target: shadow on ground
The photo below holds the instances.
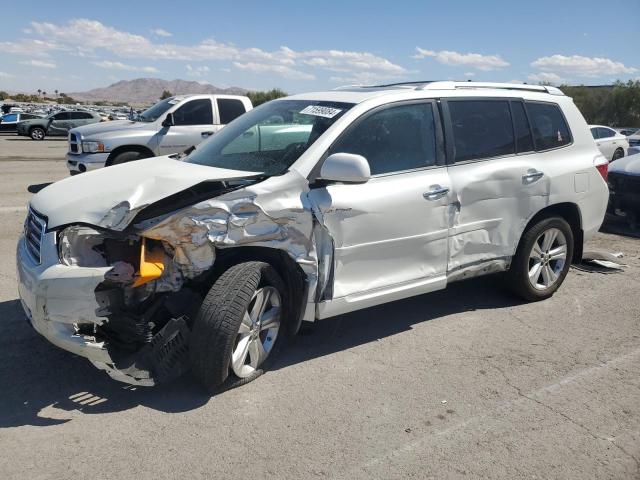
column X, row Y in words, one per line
column 36, row 187
column 35, row 375
column 29, row 139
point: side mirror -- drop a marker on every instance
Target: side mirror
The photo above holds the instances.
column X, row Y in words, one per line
column 168, row 121
column 345, row 167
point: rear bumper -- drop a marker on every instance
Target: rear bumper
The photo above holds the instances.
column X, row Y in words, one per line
column 85, row 162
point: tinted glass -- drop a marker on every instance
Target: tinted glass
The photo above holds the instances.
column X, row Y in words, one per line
column 594, row 133
column 524, row 140
column 549, row 127
column 195, row 112
column 12, row 117
column 394, row 139
column 80, row 115
column 481, row 129
column 62, row 116
column 28, row 116
column 605, row 133
column 229, row 109
column 269, row 138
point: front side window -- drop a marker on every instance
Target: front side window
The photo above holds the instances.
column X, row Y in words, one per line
column 550, row 129
column 12, row 117
column 229, row 109
column 269, row 138
column 481, row 129
column 195, row 112
column 394, row 139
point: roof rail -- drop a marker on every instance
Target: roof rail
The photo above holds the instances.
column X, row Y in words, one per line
column 448, row 85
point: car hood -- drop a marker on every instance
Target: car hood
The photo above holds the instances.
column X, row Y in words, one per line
column 628, row 165
column 111, row 197
column 107, row 127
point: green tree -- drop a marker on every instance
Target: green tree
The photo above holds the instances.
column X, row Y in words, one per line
column 259, row 97
column 616, row 105
column 3, row 95
column 166, row 94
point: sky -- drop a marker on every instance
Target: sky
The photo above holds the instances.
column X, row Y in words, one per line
column 316, row 45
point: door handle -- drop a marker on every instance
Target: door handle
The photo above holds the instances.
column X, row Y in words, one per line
column 206, row 134
column 435, row 193
column 532, row 176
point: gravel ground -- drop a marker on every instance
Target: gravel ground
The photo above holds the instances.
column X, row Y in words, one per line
column 464, row 383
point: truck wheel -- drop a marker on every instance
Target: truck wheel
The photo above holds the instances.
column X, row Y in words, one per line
column 37, row 133
column 129, row 156
column 240, row 327
column 542, row 260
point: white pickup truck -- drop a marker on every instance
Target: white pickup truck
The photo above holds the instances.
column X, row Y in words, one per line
column 170, row 126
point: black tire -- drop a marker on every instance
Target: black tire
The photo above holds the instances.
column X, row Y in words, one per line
column 128, row 156
column 37, row 133
column 618, row 154
column 216, row 326
column 518, row 274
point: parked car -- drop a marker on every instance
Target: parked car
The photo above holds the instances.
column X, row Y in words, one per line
column 9, row 122
column 627, row 131
column 170, row 126
column 56, row 124
column 612, row 144
column 634, row 140
column 305, row 208
column 624, row 188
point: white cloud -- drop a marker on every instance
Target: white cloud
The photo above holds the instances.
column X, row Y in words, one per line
column 577, row 65
column 84, row 36
column 30, row 47
column 161, row 32
column 282, row 70
column 197, row 71
column 38, row 63
column 121, row 66
column 5, row 75
column 546, row 77
column 469, row 74
column 475, row 60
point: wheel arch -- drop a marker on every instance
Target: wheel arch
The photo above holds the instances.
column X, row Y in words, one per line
column 128, row 148
column 571, row 213
column 291, row 273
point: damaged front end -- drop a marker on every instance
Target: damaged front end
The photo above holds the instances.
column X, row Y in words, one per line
column 151, row 265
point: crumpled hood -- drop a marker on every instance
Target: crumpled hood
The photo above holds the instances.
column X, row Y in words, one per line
column 628, row 165
column 110, row 197
column 107, row 127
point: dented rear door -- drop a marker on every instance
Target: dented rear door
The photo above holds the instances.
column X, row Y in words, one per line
column 496, row 179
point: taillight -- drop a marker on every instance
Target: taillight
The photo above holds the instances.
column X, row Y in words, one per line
column 604, row 170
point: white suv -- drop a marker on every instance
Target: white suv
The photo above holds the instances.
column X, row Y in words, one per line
column 305, row 208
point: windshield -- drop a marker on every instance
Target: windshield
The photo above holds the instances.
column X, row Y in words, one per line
column 268, row 139
column 151, row 114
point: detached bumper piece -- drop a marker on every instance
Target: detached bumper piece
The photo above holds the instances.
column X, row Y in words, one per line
column 163, row 359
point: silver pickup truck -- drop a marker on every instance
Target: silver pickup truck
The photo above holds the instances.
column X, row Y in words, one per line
column 170, row 126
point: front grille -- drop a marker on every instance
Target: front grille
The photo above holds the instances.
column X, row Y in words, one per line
column 73, row 147
column 72, row 137
column 34, row 227
column 74, row 143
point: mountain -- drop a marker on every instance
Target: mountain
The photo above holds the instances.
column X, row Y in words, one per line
column 149, row 90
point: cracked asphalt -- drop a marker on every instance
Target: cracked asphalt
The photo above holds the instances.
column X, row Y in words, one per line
column 464, row 383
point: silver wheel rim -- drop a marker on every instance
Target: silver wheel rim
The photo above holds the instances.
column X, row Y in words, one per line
column 258, row 332
column 547, row 259
column 37, row 134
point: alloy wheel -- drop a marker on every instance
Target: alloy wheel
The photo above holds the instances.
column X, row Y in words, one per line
column 547, row 259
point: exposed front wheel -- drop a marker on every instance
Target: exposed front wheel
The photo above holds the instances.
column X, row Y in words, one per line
column 37, row 133
column 542, row 260
column 129, row 156
column 240, row 326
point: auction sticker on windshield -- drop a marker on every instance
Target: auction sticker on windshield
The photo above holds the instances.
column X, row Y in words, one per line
column 319, row 111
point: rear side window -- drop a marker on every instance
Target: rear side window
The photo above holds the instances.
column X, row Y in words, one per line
column 229, row 109
column 195, row 112
column 524, row 140
column 550, row 129
column 80, row 115
column 594, row 133
column 62, row 116
column 605, row 132
column 394, row 139
column 481, row 129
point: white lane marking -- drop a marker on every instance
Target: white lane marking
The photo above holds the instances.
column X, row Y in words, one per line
column 12, row 209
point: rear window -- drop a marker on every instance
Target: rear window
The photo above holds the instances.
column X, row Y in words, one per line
column 229, row 109
column 549, row 127
column 481, row 129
